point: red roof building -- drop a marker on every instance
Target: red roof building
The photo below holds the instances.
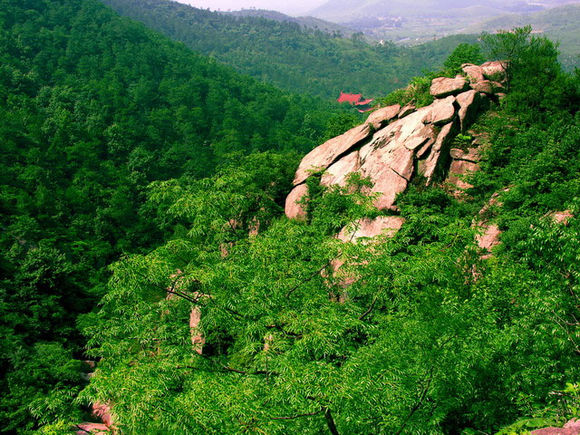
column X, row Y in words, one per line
column 357, row 100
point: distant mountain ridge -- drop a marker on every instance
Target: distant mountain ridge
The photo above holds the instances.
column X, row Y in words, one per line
column 288, row 54
column 308, row 21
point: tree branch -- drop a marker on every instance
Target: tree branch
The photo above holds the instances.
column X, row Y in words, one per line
column 419, row 402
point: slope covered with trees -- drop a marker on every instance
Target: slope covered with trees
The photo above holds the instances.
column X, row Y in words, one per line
column 289, row 55
column 218, row 331
column 94, row 107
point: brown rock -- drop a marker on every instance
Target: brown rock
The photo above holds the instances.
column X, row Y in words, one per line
column 473, row 72
column 485, row 87
column 570, row 428
column 471, row 155
column 382, row 116
column 368, row 228
column 292, row 209
column 442, row 111
column 459, row 169
column 407, row 110
column 428, row 166
column 494, row 71
column 92, row 428
column 443, row 86
column 497, row 87
column 197, row 339
column 561, row 217
column 489, row 238
column 338, row 172
column 468, row 108
column 324, row 155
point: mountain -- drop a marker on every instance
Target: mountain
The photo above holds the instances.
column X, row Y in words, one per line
column 561, row 24
column 94, row 109
column 307, row 22
column 429, row 286
column 287, row 54
column 412, row 25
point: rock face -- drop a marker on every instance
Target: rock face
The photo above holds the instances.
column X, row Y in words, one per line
column 369, row 228
column 570, row 428
column 395, row 144
column 443, row 86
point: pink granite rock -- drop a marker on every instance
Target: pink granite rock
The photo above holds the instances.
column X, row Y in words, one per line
column 443, row 86
column 470, row 155
column 458, row 170
column 485, row 87
column 92, row 428
column 407, row 110
column 468, row 108
column 428, row 167
column 339, row 171
column 570, row 428
column 292, row 209
column 473, row 72
column 495, row 70
column 324, row 155
column 369, row 228
column 379, row 118
column 197, row 339
column 441, row 111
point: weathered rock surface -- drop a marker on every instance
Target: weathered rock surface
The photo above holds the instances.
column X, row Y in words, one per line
column 382, row 116
column 495, row 71
column 396, row 144
column 570, row 428
column 468, row 108
column 339, row 171
column 458, row 170
column 444, row 86
column 323, row 156
column 92, row 428
column 442, row 111
column 369, row 228
column 473, row 72
column 292, row 209
column 469, row 155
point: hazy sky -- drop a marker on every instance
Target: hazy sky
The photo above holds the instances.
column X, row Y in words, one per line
column 286, row 6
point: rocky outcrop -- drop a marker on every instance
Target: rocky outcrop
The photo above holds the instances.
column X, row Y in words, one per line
column 369, row 228
column 397, row 144
column 444, row 86
column 570, row 428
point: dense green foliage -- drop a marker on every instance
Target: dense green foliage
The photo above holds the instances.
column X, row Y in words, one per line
column 288, row 55
column 93, row 109
column 123, row 150
column 432, row 336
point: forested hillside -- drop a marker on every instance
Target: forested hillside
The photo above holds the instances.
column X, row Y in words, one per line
column 239, row 322
column 288, row 55
column 94, row 107
column 142, row 191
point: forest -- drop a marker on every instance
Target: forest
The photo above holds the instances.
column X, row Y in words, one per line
column 143, row 185
column 288, row 55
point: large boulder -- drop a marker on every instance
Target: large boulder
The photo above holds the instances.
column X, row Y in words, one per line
column 570, row 428
column 324, row 155
column 379, row 118
column 369, row 228
column 495, row 71
column 292, row 209
column 443, row 86
column 468, row 108
column 339, row 171
column 441, row 111
column 473, row 72
column 428, row 167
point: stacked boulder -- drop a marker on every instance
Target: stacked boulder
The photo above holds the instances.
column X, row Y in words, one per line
column 397, row 144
